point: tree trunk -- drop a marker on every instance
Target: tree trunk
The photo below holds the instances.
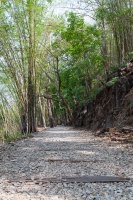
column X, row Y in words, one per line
column 104, row 51
column 70, row 116
column 42, row 113
column 23, row 118
column 31, row 71
column 50, row 115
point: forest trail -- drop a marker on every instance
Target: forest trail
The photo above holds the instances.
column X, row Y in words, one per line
column 60, row 152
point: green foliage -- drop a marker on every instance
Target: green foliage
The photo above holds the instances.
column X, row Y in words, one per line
column 94, row 92
column 82, row 38
column 9, row 120
column 113, row 68
column 115, row 18
column 77, row 47
column 113, row 81
column 14, row 137
column 131, row 54
column 83, row 51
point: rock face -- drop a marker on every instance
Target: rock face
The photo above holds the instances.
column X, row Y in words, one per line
column 112, row 106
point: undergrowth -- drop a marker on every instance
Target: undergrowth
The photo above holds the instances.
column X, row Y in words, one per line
column 12, row 137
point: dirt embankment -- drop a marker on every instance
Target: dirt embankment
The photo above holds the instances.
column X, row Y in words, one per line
column 112, row 106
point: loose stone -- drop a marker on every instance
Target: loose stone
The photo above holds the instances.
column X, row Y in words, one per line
column 65, row 152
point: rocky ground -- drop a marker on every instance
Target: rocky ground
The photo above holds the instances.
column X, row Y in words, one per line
column 61, row 152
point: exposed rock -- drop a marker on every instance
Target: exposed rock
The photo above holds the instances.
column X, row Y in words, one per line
column 125, row 135
column 112, row 130
column 112, row 106
column 127, row 129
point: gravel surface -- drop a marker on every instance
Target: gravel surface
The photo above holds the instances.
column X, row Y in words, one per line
column 64, row 151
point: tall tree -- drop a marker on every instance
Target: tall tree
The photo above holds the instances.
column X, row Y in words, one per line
column 31, row 92
column 22, row 26
column 74, row 62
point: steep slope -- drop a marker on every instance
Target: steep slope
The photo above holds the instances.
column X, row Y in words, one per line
column 112, row 106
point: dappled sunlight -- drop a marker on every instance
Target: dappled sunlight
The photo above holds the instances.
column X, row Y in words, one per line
column 32, row 191
column 61, row 131
column 66, row 139
column 86, row 152
column 28, row 148
column 57, row 155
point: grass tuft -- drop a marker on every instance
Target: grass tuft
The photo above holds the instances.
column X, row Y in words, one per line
column 14, row 137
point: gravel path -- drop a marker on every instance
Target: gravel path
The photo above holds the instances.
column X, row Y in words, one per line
column 63, row 151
